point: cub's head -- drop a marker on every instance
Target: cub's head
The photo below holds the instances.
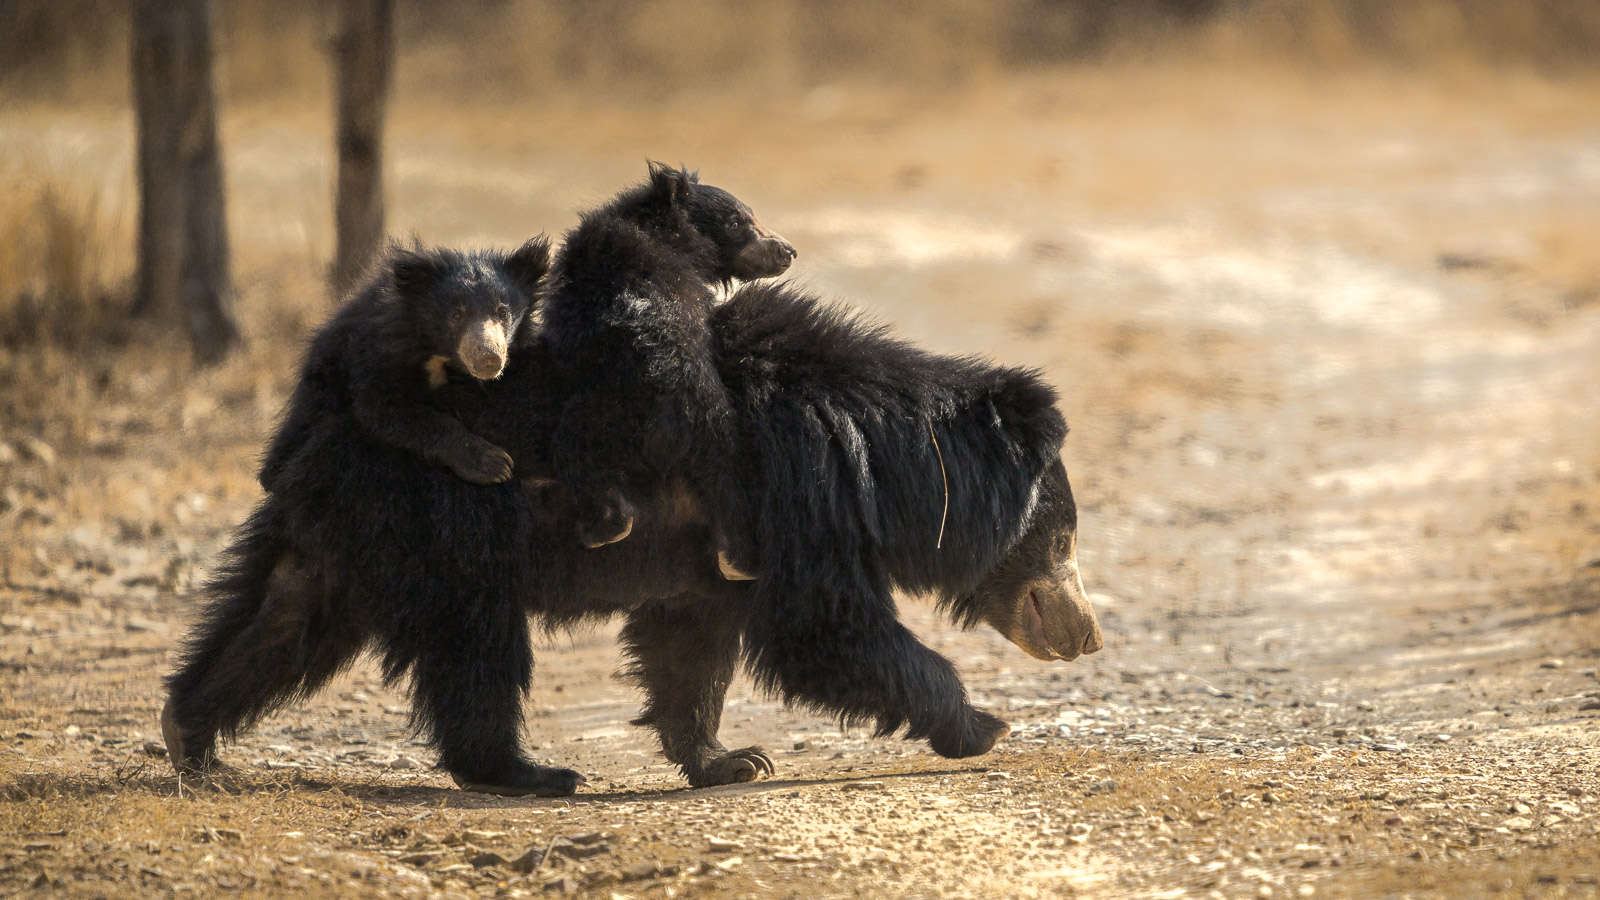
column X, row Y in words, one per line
column 465, row 309
column 728, row 241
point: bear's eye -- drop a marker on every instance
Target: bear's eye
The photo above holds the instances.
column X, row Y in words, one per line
column 503, row 311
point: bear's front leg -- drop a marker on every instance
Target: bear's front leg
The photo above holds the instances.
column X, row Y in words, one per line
column 471, row 665
column 683, row 657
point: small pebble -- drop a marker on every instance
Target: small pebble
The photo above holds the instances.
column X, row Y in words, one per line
column 863, row 786
column 998, row 776
column 404, row 763
column 486, row 859
column 1104, row 786
column 1552, row 664
column 641, row 871
column 722, row 845
column 38, row 450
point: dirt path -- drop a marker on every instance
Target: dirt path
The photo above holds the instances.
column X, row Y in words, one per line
column 1330, row 366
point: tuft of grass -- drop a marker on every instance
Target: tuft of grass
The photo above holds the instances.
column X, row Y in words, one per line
column 64, row 262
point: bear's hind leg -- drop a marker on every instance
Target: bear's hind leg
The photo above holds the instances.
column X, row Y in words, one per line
column 684, row 657
column 251, row 653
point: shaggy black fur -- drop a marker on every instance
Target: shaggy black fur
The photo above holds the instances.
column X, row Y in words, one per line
column 361, row 543
column 424, row 315
column 626, row 326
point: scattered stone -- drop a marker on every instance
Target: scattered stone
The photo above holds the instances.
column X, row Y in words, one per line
column 562, row 884
column 998, row 776
column 486, row 859
column 529, row 861
column 1518, row 823
column 587, row 838
column 422, row 857
column 1442, row 738
column 404, row 763
column 1395, row 820
column 1389, row 748
column 38, row 451
column 641, row 871
column 581, row 851
column 478, row 836
column 722, row 845
column 863, row 785
column 154, row 749
column 1104, row 786
column 141, row 625
column 71, row 731
column 36, row 846
column 801, row 745
column 1552, row 664
column 1590, row 706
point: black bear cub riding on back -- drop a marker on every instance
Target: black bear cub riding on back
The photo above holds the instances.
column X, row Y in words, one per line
column 374, row 368
column 626, row 326
column 424, row 316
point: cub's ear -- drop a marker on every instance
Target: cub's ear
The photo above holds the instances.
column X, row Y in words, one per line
column 416, row 270
column 668, row 185
column 528, row 264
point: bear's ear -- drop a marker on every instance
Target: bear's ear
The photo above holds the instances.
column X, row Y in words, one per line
column 668, row 185
column 415, row 271
column 528, row 264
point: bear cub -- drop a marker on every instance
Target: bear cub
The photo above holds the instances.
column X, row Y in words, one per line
column 626, row 324
column 425, row 316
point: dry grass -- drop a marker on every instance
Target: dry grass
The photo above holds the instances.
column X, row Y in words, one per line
column 64, row 260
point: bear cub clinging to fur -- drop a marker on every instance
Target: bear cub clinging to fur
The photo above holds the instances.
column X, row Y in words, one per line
column 626, row 325
column 425, row 315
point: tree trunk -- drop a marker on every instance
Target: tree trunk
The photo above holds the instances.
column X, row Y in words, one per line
column 183, row 239
column 364, row 61
column 155, row 52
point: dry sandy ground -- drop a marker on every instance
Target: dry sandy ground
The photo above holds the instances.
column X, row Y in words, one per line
column 1329, row 350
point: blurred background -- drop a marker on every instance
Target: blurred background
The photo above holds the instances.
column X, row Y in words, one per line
column 1318, row 281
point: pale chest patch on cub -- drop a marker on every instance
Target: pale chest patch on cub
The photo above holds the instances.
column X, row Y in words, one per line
column 437, row 376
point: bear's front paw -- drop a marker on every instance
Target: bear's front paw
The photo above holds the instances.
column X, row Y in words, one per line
column 981, row 733
column 732, row 767
column 481, row 462
column 609, row 521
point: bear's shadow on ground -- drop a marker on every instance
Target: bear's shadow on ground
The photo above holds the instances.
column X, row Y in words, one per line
column 235, row 782
column 451, row 798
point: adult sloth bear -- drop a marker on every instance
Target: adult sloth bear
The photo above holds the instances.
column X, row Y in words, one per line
column 875, row 465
